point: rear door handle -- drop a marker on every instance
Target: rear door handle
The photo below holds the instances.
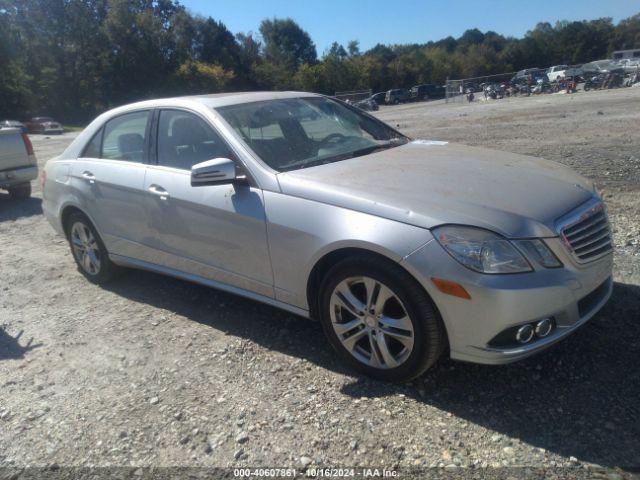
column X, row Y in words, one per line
column 159, row 191
column 87, row 175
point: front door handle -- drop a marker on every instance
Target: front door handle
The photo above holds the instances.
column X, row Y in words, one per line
column 87, row 175
column 158, row 191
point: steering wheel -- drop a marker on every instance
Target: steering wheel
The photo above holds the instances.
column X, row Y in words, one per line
column 331, row 138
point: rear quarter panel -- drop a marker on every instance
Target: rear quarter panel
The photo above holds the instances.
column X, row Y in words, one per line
column 57, row 192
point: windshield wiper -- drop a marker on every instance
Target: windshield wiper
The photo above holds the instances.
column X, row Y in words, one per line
column 373, row 148
column 394, row 142
column 306, row 163
column 346, row 155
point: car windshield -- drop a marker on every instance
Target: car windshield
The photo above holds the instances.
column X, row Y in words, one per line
column 294, row 133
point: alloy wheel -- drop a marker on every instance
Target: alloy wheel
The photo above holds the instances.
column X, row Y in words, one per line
column 371, row 322
column 85, row 248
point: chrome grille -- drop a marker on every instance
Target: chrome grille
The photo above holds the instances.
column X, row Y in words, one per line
column 588, row 237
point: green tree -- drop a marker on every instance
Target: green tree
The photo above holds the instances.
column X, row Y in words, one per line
column 14, row 93
column 353, row 47
column 336, row 50
column 626, row 35
column 217, row 44
column 200, row 77
column 75, row 58
column 286, row 44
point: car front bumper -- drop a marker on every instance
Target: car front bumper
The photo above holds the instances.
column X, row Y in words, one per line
column 17, row 176
column 500, row 302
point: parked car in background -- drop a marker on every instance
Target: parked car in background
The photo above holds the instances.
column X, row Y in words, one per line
column 397, row 95
column 576, row 73
column 613, row 79
column 472, row 87
column 44, row 125
column 601, row 66
column 18, row 164
column 427, row 91
column 368, row 105
column 527, row 74
column 629, row 65
column 403, row 250
column 13, row 124
column 379, row 98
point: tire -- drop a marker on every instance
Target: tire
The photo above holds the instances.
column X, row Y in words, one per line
column 20, row 191
column 586, row 87
column 410, row 307
column 102, row 269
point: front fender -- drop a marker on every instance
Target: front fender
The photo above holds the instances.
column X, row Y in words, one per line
column 301, row 232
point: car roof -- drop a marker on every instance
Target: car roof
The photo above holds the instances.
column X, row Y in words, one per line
column 215, row 100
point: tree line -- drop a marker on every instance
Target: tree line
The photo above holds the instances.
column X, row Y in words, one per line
column 73, row 59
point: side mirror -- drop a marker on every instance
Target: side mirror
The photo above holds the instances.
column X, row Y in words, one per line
column 218, row 171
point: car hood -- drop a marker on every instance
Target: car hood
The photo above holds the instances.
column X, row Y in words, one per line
column 427, row 184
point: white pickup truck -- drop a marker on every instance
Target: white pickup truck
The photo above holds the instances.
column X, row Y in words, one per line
column 557, row 72
column 18, row 165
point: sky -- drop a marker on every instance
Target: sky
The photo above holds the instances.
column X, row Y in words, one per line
column 406, row 21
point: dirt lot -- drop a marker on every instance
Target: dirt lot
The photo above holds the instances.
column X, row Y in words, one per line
column 156, row 371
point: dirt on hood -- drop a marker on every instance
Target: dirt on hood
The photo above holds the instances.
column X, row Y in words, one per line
column 429, row 183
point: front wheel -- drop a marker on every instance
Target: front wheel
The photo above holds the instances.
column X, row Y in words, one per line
column 379, row 319
column 88, row 250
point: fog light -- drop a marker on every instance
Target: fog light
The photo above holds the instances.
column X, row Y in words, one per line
column 544, row 327
column 524, row 333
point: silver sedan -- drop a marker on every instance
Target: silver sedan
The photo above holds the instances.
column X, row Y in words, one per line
column 403, row 249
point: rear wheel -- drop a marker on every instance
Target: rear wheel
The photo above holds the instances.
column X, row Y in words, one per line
column 88, row 250
column 379, row 319
column 20, row 191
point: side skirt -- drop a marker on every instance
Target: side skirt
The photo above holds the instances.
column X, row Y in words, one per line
column 142, row 265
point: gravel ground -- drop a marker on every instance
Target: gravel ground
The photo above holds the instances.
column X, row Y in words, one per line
column 154, row 371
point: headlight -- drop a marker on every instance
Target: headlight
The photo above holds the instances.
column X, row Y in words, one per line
column 537, row 250
column 481, row 250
